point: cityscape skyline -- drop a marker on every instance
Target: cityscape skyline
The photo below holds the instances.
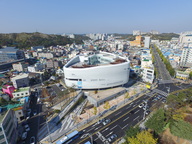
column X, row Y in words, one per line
column 95, row 17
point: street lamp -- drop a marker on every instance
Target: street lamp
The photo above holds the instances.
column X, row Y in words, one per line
column 91, row 137
column 145, row 108
column 168, row 89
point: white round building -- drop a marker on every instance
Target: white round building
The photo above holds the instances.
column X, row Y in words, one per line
column 96, row 71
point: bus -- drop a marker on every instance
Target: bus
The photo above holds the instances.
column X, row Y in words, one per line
column 69, row 138
column 88, row 142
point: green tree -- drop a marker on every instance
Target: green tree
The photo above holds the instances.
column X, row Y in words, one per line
column 132, row 131
column 157, row 122
column 127, row 95
column 190, row 75
column 181, row 129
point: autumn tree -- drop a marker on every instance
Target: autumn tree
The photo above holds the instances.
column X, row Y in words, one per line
column 107, row 105
column 94, row 110
column 144, row 137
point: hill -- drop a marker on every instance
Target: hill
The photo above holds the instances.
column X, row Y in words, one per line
column 26, row 40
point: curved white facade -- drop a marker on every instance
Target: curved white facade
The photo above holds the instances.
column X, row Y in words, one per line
column 99, row 76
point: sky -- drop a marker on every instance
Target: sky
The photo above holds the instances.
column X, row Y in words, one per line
column 95, row 16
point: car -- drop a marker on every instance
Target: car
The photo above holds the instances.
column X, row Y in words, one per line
column 27, row 117
column 100, row 121
column 112, row 137
column 28, row 111
column 145, row 107
column 113, row 107
column 147, row 112
column 32, row 140
column 106, row 121
column 141, row 105
column 24, row 136
column 27, row 127
column 34, row 112
column 164, row 100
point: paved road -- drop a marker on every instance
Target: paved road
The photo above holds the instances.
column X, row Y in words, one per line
column 125, row 117
column 161, row 68
column 34, row 120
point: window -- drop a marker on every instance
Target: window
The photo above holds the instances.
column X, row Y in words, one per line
column 1, row 137
column 26, row 93
column 19, row 113
column 17, row 94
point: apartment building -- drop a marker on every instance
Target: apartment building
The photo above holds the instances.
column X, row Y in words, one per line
column 21, row 80
column 186, row 57
column 20, row 67
column 8, row 127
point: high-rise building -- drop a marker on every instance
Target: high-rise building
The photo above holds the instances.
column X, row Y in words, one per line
column 185, row 38
column 147, row 42
column 186, row 57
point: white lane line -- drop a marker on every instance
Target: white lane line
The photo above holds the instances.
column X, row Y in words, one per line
column 105, row 130
column 90, row 129
column 117, row 113
column 137, row 111
column 125, row 126
column 135, row 118
column 109, row 134
column 96, row 139
column 126, row 119
column 128, row 107
column 98, row 127
column 113, row 127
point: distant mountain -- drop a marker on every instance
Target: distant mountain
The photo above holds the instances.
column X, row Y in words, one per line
column 26, row 40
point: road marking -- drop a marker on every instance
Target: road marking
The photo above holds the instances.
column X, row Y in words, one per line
column 128, row 107
column 98, row 127
column 113, row 121
column 96, row 139
column 118, row 113
column 126, row 119
column 90, row 130
column 109, row 134
column 137, row 111
column 125, row 126
column 113, row 127
column 83, row 136
column 105, row 129
column 135, row 118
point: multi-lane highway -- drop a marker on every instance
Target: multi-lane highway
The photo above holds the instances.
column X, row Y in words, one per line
column 123, row 118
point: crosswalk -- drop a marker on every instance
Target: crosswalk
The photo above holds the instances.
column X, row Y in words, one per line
column 165, row 81
column 160, row 92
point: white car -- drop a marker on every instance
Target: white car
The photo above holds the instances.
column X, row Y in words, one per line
column 27, row 127
column 32, row 140
column 141, row 105
column 24, row 135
